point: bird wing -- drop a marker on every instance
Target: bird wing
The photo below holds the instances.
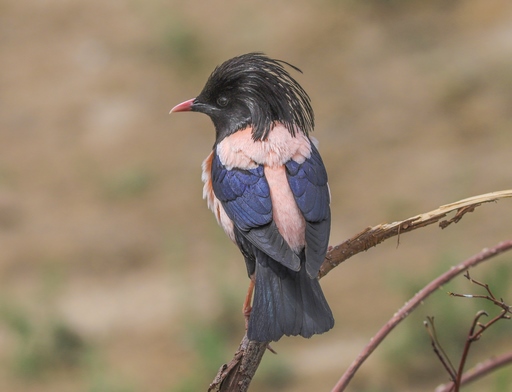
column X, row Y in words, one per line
column 308, row 182
column 245, row 197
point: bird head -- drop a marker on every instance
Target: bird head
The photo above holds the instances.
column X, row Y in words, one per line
column 253, row 90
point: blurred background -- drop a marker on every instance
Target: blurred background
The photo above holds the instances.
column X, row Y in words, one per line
column 114, row 276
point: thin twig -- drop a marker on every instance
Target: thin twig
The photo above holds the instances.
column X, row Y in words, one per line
column 491, row 297
column 438, row 348
column 470, row 339
column 413, row 303
column 480, row 370
column 475, row 332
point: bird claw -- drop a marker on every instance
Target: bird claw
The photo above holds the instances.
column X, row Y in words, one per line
column 271, row 349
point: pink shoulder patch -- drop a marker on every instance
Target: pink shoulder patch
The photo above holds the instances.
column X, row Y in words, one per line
column 287, row 216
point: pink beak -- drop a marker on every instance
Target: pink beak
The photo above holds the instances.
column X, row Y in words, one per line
column 183, row 107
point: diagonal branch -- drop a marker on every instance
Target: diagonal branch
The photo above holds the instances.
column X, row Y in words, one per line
column 418, row 298
column 237, row 374
column 477, row 328
column 373, row 236
column 480, row 370
column 438, row 348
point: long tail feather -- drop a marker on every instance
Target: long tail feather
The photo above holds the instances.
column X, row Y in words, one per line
column 286, row 303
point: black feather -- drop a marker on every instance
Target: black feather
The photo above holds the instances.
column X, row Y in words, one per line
column 286, row 302
column 253, row 89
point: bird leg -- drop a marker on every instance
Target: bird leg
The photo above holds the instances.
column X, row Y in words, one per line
column 246, row 309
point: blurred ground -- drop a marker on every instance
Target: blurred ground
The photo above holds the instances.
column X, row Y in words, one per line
column 113, row 273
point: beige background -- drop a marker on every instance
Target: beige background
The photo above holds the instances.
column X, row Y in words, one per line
column 114, row 275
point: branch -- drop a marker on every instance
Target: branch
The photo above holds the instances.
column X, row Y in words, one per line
column 465, row 352
column 475, row 333
column 373, row 236
column 438, row 348
column 415, row 302
column 490, row 297
column 237, row 374
column 480, row 370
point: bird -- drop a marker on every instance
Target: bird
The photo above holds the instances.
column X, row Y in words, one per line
column 267, row 185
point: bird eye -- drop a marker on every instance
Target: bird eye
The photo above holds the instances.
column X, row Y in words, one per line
column 222, row 101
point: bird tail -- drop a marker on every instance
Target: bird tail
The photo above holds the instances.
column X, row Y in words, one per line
column 286, row 302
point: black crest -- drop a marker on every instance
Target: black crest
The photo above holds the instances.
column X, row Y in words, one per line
column 253, row 89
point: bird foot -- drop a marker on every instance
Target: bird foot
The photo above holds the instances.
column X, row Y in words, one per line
column 271, row 349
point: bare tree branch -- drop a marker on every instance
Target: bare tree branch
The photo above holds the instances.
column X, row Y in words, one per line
column 475, row 333
column 373, row 236
column 480, row 370
column 415, row 302
column 438, row 349
column 237, row 374
column 490, row 297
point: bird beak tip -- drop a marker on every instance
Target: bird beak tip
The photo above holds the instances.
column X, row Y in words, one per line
column 183, row 107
